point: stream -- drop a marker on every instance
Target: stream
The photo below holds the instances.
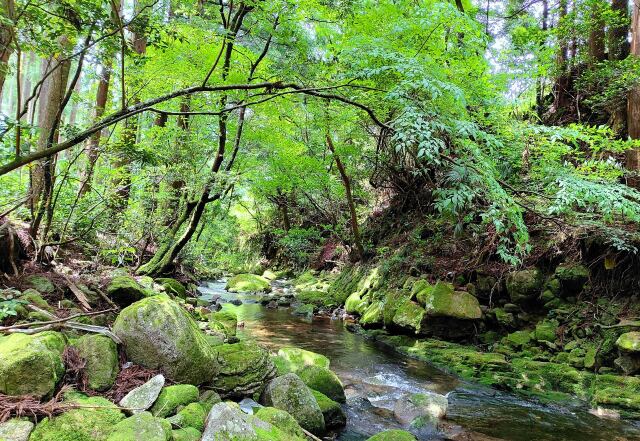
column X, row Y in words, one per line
column 375, row 377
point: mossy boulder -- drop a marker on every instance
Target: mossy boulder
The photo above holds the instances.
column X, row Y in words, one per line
column 228, row 319
column 290, row 394
column 409, row 315
column 192, row 415
column 629, row 342
column 269, row 275
column 393, row 435
column 305, row 310
column 248, row 283
column 571, row 277
column 102, row 364
column 519, row 339
column 325, row 381
column 546, row 330
column 31, row 364
column 143, row 426
column 291, row 359
column 94, row 419
column 125, row 290
column 41, row 284
column 419, row 408
column 524, row 285
column 158, row 334
column 244, row 369
column 281, row 419
column 171, row 397
column 173, row 287
column 355, row 304
column 334, row 416
column 15, row 430
column 504, row 318
column 443, row 301
column 35, row 298
column 374, row 315
column 185, row 434
column 314, row 297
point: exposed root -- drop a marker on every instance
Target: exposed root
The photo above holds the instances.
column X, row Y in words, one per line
column 31, row 407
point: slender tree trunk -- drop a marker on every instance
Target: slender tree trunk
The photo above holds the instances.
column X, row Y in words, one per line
column 176, row 183
column 7, row 35
column 541, row 81
column 596, row 35
column 359, row 250
column 633, row 103
column 561, row 86
column 93, row 144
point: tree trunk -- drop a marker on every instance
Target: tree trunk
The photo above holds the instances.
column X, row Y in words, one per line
column 7, row 34
column 618, row 35
column 94, row 142
column 596, row 35
column 359, row 250
column 633, row 103
column 561, row 86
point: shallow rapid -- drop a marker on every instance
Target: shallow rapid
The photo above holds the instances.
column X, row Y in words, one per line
column 375, row 377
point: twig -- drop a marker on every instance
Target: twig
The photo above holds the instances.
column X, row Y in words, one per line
column 82, row 298
column 52, row 322
column 310, row 435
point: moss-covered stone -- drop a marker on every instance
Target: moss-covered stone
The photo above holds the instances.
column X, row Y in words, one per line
column 504, row 318
column 305, row 310
column 186, row 434
column 269, row 275
column 31, row 364
column 35, row 298
column 290, row 394
column 524, row 285
column 172, row 286
column 158, row 334
column 315, row 297
column 409, row 315
column 355, row 304
column 143, row 426
column 334, row 416
column 281, row 419
column 93, row 420
column 629, row 342
column 171, row 397
column 393, row 435
column 41, row 284
column 546, row 330
column 420, row 408
column 323, row 380
column 519, row 339
column 248, row 283
column 227, row 318
column 125, row 290
column 443, row 301
column 208, row 398
column 245, row 368
column 373, row 315
column 192, row 415
column 571, row 278
column 101, row 355
column 291, row 359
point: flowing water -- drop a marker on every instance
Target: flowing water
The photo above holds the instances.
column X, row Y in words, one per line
column 375, row 377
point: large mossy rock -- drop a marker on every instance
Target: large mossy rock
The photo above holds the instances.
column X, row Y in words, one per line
column 325, row 381
column 409, row 315
column 281, row 419
column 355, row 304
column 629, row 342
column 125, row 290
column 94, row 419
column 185, row 434
column 374, row 315
column 290, row 394
column 192, row 415
column 334, row 416
column 173, row 287
column 420, row 408
column 572, row 278
column 524, row 285
column 171, row 397
column 248, row 283
column 102, row 364
column 441, row 300
column 226, row 422
column 546, row 330
column 228, row 320
column 41, row 284
column 245, row 368
column 158, row 334
column 142, row 426
column 393, row 435
column 292, row 359
column 31, row 364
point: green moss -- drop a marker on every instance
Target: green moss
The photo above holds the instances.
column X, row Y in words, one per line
column 172, row 286
column 173, row 396
column 228, row 319
column 629, row 342
column 40, row 284
column 101, row 355
column 546, row 330
column 505, row 318
column 331, row 410
column 32, row 296
column 323, row 380
column 318, row 298
column 291, row 359
column 443, row 301
column 186, row 434
column 618, row 391
column 280, row 419
column 94, row 421
column 143, row 426
column 192, row 415
column 571, row 278
column 269, row 275
column 208, row 398
column 248, row 283
column 244, row 369
column 373, row 315
column 125, row 290
column 304, row 310
column 519, row 339
column 409, row 315
column 346, row 284
column 31, row 364
column 355, row 304
column 393, row 435
column 524, row 285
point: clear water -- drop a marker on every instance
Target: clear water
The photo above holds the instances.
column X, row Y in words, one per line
column 375, row 377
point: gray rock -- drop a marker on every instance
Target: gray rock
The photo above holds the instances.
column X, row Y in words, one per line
column 142, row 398
column 227, row 422
column 15, row 430
column 417, row 409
